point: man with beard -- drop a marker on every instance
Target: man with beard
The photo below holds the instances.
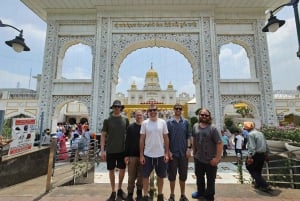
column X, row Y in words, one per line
column 207, row 149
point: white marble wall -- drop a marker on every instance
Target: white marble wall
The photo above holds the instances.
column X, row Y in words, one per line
column 113, row 34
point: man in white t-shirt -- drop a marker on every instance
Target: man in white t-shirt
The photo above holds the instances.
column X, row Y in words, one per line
column 239, row 141
column 154, row 150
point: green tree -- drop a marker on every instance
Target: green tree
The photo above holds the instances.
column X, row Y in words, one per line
column 6, row 128
column 194, row 119
column 229, row 124
column 244, row 112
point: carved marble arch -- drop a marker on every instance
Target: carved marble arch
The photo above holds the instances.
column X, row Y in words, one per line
column 65, row 43
column 246, row 42
column 14, row 114
column 59, row 101
column 252, row 101
column 187, row 45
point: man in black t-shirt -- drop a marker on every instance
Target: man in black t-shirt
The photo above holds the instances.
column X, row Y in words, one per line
column 132, row 154
column 113, row 136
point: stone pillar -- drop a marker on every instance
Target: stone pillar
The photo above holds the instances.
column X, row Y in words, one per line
column 263, row 68
column 47, row 75
column 102, row 84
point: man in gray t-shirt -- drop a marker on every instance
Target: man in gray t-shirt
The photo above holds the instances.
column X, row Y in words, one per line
column 207, row 149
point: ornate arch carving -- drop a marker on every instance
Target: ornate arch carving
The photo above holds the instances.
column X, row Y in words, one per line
column 252, row 100
column 185, row 43
column 59, row 101
column 246, row 41
column 65, row 42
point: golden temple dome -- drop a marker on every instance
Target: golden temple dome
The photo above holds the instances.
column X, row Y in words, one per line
column 151, row 73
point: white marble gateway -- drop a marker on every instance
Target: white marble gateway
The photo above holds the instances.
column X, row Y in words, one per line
column 115, row 28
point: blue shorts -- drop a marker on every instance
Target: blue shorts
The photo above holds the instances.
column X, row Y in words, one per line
column 115, row 160
column 154, row 163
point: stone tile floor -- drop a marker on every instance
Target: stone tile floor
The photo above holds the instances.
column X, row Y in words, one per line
column 227, row 173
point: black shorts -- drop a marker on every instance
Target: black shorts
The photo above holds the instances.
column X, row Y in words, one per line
column 179, row 164
column 115, row 160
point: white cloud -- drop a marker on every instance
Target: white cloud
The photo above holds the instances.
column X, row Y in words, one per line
column 35, row 33
column 225, row 53
column 12, row 80
column 187, row 88
column 284, row 63
column 234, row 63
column 283, row 34
column 77, row 62
column 77, row 72
column 31, row 32
column 170, row 66
column 139, row 81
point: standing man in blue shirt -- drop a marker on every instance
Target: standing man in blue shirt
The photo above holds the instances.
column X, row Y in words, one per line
column 180, row 151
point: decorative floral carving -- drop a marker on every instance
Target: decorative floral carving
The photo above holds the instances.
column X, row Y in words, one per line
column 200, row 46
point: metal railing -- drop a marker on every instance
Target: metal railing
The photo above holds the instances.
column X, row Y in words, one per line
column 67, row 166
column 283, row 170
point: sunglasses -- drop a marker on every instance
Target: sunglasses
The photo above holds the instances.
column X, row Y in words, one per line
column 117, row 106
column 204, row 115
column 152, row 110
column 177, row 108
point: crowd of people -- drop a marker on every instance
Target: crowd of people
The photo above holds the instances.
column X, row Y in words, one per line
column 161, row 146
column 236, row 141
column 79, row 137
column 165, row 146
column 155, row 145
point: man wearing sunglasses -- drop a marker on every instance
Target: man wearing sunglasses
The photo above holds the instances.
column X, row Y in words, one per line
column 207, row 149
column 113, row 136
column 180, row 151
column 154, row 151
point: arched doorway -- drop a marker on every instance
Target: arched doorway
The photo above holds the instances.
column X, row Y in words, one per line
column 69, row 114
column 114, row 33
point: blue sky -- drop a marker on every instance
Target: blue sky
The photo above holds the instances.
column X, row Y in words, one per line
column 16, row 68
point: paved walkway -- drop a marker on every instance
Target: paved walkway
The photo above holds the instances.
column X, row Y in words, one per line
column 100, row 192
column 227, row 174
column 230, row 190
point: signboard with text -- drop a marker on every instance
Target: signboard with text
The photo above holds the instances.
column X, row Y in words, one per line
column 23, row 134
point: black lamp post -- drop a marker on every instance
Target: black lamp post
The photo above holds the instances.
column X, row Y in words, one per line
column 18, row 43
column 273, row 23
